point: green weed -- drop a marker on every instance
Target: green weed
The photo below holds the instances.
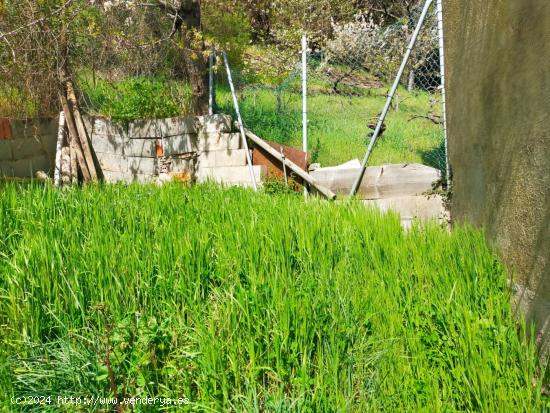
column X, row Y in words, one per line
column 136, row 98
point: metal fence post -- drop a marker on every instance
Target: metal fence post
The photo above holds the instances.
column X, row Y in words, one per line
column 443, row 91
column 304, row 92
column 304, row 100
column 241, row 126
column 380, row 123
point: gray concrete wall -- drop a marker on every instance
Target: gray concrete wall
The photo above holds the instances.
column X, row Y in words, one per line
column 143, row 150
column 498, row 62
column 28, row 147
column 185, row 148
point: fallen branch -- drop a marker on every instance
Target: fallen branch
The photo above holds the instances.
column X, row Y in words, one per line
column 433, row 118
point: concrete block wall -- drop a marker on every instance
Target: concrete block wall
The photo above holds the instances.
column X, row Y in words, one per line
column 190, row 148
column 199, row 149
column 27, row 146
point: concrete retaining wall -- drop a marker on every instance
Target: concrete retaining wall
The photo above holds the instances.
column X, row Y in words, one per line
column 187, row 148
column 399, row 188
column 499, row 134
column 140, row 151
column 27, row 146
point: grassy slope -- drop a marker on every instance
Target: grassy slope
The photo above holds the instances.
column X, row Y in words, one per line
column 253, row 303
column 339, row 125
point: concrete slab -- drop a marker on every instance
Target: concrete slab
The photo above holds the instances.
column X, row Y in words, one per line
column 215, row 123
column 232, row 157
column 27, row 148
column 5, row 150
column 412, row 207
column 33, row 128
column 22, row 168
column 128, row 177
column 42, row 163
column 145, row 148
column 112, row 163
column 379, row 182
column 6, row 169
column 142, row 166
column 106, row 127
column 217, row 141
column 353, row 164
column 49, row 144
column 143, row 178
column 176, row 145
column 112, row 144
column 184, row 165
column 237, row 175
column 114, row 177
column 158, row 128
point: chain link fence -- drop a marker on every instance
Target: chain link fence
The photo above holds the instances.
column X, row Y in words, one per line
column 348, row 84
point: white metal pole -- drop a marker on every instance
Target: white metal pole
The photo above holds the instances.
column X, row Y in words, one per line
column 443, row 91
column 59, row 148
column 240, row 120
column 304, row 100
column 304, row 91
column 387, row 107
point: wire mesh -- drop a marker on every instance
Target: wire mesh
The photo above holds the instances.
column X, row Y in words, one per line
column 348, row 83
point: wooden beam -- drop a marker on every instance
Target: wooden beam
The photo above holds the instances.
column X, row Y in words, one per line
column 290, row 165
column 81, row 129
column 73, row 138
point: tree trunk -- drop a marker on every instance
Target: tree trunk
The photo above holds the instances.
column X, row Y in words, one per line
column 194, row 54
column 195, row 63
column 187, row 23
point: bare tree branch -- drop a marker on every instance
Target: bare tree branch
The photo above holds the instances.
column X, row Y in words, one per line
column 40, row 20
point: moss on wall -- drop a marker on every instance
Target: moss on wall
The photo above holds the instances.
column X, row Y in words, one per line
column 499, row 131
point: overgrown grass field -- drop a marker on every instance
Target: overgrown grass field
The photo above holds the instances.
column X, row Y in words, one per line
column 246, row 302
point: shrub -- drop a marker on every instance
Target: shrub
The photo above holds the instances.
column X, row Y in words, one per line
column 136, row 98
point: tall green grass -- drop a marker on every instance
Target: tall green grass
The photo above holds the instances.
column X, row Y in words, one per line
column 246, row 302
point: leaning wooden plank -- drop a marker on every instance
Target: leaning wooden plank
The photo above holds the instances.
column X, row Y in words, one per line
column 74, row 144
column 74, row 162
column 65, row 165
column 81, row 129
column 290, row 165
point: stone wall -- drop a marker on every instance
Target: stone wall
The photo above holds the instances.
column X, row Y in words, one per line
column 499, row 133
column 27, row 146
